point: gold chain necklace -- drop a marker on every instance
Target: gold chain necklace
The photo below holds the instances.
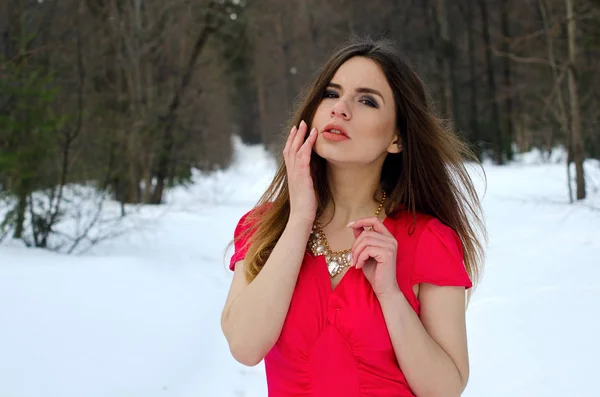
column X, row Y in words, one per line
column 336, row 261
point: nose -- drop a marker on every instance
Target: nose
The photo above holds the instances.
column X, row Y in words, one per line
column 340, row 109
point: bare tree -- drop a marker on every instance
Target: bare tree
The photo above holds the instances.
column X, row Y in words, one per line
column 473, row 81
column 506, row 72
column 492, row 86
column 446, row 53
column 574, row 102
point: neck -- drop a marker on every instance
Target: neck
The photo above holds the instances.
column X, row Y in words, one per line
column 353, row 191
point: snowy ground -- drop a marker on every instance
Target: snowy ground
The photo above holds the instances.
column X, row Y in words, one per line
column 139, row 315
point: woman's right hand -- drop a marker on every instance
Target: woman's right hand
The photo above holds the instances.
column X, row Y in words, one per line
column 296, row 154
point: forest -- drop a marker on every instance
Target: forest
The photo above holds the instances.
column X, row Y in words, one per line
column 128, row 97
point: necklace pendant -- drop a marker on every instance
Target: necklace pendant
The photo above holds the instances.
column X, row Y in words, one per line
column 334, row 268
column 336, row 261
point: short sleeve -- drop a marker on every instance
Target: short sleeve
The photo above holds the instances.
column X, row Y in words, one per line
column 241, row 245
column 439, row 257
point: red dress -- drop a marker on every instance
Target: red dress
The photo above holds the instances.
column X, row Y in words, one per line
column 336, row 343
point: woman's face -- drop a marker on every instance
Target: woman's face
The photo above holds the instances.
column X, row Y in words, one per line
column 359, row 104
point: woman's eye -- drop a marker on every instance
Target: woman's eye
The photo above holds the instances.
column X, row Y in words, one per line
column 369, row 102
column 365, row 100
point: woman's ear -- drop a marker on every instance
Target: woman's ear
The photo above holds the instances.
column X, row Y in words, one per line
column 396, row 145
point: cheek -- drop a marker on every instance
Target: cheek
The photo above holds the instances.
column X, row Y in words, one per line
column 380, row 131
column 320, row 114
column 387, row 129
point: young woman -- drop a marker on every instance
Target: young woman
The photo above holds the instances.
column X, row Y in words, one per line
column 351, row 272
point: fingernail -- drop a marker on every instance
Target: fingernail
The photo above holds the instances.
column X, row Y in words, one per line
column 350, row 224
column 302, row 122
column 313, row 131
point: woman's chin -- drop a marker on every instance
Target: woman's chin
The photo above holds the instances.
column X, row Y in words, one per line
column 331, row 155
column 325, row 148
column 336, row 158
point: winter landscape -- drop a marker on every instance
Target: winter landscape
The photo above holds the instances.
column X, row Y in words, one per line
column 138, row 314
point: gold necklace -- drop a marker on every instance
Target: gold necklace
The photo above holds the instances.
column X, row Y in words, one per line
column 338, row 260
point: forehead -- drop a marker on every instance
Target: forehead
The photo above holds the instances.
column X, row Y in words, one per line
column 362, row 72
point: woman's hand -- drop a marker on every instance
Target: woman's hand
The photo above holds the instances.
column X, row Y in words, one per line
column 374, row 251
column 296, row 154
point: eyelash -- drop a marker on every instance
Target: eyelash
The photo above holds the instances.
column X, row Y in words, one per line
column 371, row 102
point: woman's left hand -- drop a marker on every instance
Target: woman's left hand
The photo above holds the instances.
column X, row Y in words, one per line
column 374, row 251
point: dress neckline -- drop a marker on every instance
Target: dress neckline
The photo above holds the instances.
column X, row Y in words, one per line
column 324, row 273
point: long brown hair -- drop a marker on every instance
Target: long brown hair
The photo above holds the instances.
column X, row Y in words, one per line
column 429, row 175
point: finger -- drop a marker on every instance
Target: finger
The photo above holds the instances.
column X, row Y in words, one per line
column 289, row 141
column 373, row 237
column 310, row 140
column 369, row 252
column 372, row 222
column 358, row 229
column 299, row 138
column 357, row 232
column 306, row 148
column 368, row 241
column 378, row 254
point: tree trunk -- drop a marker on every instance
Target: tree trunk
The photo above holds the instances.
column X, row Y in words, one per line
column 307, row 18
column 349, row 6
column 262, row 109
column 473, row 119
column 453, row 77
column 168, row 121
column 23, row 192
column 574, row 102
column 508, row 101
column 445, row 47
column 287, row 65
column 498, row 155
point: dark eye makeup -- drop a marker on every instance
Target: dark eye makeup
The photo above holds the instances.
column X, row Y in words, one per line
column 367, row 100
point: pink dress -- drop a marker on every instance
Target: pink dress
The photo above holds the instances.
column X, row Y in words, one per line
column 334, row 343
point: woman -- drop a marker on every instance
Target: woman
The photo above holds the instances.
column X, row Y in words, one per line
column 351, row 273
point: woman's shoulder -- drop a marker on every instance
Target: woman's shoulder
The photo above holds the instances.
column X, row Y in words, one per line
column 408, row 226
column 431, row 251
column 251, row 215
column 243, row 230
column 408, row 223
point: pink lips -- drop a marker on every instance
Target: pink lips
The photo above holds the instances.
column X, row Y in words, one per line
column 330, row 136
column 330, row 127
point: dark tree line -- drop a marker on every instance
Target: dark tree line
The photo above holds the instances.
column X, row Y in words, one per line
column 130, row 95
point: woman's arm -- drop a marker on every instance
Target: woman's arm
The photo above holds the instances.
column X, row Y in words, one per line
column 254, row 313
column 431, row 350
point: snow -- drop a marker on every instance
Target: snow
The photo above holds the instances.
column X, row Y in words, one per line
column 138, row 315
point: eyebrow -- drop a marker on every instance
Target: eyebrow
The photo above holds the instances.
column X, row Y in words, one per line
column 362, row 90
